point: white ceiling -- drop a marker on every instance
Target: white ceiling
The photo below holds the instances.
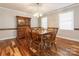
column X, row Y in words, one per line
column 32, row 7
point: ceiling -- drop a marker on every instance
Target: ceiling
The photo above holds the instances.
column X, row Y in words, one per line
column 32, row 7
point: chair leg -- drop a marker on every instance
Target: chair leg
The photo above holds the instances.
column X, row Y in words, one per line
column 55, row 46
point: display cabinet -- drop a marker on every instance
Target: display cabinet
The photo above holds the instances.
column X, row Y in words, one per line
column 22, row 23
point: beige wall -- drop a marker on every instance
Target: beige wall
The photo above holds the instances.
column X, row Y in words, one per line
column 8, row 20
column 53, row 21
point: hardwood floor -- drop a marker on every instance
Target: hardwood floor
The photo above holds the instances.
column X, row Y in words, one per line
column 67, row 47
column 64, row 48
column 9, row 48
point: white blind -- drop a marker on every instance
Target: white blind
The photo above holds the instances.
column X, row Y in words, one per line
column 66, row 20
column 44, row 22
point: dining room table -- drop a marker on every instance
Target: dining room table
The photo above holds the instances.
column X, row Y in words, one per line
column 43, row 37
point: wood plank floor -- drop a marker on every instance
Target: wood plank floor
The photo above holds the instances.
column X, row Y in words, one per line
column 67, row 47
column 9, row 48
column 64, row 48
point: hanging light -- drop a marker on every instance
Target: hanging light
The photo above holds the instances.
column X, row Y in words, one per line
column 38, row 13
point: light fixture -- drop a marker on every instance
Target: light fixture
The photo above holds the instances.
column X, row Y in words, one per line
column 38, row 14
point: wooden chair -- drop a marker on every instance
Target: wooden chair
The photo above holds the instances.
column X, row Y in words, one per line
column 28, row 35
column 25, row 42
column 35, row 29
column 35, row 44
column 48, row 42
column 53, row 41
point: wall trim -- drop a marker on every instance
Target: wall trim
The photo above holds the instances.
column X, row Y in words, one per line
column 8, row 28
column 77, row 40
column 76, row 28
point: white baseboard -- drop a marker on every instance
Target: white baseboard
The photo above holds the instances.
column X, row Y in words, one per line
column 68, row 38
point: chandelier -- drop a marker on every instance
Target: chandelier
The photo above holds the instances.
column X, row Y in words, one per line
column 38, row 14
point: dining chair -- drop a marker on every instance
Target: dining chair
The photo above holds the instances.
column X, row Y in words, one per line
column 48, row 42
column 35, row 43
column 28, row 35
column 53, row 40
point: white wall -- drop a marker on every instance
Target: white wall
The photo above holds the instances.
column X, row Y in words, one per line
column 8, row 20
column 53, row 21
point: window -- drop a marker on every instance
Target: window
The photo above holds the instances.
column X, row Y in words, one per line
column 66, row 21
column 44, row 22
